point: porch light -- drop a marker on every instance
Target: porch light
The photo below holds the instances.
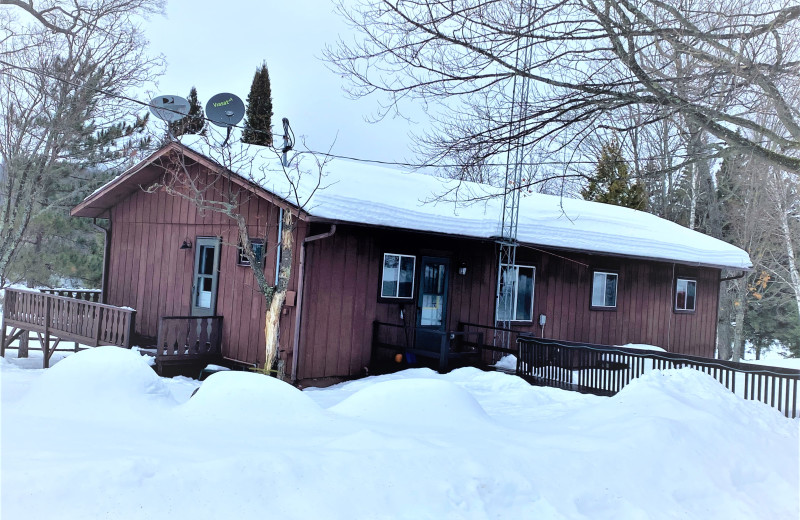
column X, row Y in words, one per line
column 187, row 244
column 462, row 268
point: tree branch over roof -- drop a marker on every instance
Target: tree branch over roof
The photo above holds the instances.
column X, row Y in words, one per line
column 590, row 60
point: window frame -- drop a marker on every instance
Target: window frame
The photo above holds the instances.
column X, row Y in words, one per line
column 675, row 296
column 408, row 298
column 515, row 296
column 608, row 273
column 241, row 259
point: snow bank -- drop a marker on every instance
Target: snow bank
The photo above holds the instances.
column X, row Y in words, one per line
column 102, row 380
column 424, row 402
column 465, row 445
column 642, row 346
column 231, row 396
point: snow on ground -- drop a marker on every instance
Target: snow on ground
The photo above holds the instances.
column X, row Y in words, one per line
column 99, row 435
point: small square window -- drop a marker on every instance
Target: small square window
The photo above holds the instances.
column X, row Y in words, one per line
column 258, row 250
column 398, row 276
column 685, row 295
column 604, row 290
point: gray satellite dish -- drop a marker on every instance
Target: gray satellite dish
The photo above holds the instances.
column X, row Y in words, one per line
column 225, row 110
column 169, row 108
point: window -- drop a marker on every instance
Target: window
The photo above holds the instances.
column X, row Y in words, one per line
column 604, row 290
column 258, row 250
column 515, row 293
column 398, row 276
column 685, row 295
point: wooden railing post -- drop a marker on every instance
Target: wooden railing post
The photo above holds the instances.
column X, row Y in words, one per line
column 98, row 326
column 46, row 345
column 444, row 350
column 131, row 317
column 3, row 329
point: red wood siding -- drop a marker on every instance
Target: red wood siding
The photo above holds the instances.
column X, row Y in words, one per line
column 149, row 272
column 343, row 275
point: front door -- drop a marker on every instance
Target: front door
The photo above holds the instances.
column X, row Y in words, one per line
column 206, row 275
column 432, row 303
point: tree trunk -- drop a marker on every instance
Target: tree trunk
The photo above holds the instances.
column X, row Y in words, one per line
column 273, row 317
column 794, row 276
column 740, row 306
column 724, row 329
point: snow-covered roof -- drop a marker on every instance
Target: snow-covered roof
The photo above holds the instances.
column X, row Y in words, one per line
column 363, row 193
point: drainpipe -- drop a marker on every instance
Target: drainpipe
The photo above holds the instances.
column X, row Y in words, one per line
column 106, row 257
column 299, row 305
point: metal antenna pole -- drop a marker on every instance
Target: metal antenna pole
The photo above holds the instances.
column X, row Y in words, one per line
column 506, row 272
column 288, row 141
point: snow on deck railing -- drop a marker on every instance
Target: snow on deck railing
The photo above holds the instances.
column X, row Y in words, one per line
column 605, row 370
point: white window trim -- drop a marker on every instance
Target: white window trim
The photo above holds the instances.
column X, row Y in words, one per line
column 413, row 276
column 516, row 292
column 688, row 280
column 616, row 290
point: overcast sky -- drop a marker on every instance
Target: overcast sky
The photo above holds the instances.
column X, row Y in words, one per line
column 216, row 47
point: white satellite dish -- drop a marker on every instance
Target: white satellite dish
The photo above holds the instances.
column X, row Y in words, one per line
column 169, row 108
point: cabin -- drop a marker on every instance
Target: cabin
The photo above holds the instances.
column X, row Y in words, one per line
column 385, row 263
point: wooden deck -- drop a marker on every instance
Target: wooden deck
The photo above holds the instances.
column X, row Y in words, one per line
column 185, row 344
column 63, row 318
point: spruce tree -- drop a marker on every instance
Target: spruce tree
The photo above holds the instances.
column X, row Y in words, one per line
column 258, row 118
column 194, row 122
column 611, row 182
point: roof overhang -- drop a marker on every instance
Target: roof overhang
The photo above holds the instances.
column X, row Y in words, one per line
column 151, row 170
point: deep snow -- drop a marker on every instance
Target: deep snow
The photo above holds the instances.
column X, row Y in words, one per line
column 99, row 435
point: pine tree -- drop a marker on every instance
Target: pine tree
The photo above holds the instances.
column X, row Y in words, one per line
column 611, row 182
column 194, row 122
column 258, row 119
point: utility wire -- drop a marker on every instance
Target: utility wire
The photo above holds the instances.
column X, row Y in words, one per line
column 314, row 152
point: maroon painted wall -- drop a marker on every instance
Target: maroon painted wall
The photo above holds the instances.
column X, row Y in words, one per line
column 343, row 274
column 148, row 271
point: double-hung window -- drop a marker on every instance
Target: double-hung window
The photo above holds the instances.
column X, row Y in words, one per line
column 515, row 293
column 685, row 295
column 398, row 276
column 604, row 290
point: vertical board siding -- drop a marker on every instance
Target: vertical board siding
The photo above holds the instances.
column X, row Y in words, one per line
column 343, row 272
column 150, row 273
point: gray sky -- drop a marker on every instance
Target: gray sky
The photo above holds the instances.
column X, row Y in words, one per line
column 216, row 47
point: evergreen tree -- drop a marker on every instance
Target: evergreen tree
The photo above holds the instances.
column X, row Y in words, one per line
column 612, row 183
column 258, row 118
column 771, row 317
column 194, row 122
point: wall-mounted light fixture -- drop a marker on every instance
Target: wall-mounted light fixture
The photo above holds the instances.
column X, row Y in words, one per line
column 462, row 268
column 187, row 244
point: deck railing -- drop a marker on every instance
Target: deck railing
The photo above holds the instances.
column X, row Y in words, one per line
column 446, row 346
column 89, row 295
column 65, row 318
column 605, row 370
column 188, row 339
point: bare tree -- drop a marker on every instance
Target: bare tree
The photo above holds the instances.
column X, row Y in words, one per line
column 590, row 60
column 62, row 64
column 221, row 192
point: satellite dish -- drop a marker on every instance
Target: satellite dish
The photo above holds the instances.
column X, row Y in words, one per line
column 169, row 108
column 225, row 110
